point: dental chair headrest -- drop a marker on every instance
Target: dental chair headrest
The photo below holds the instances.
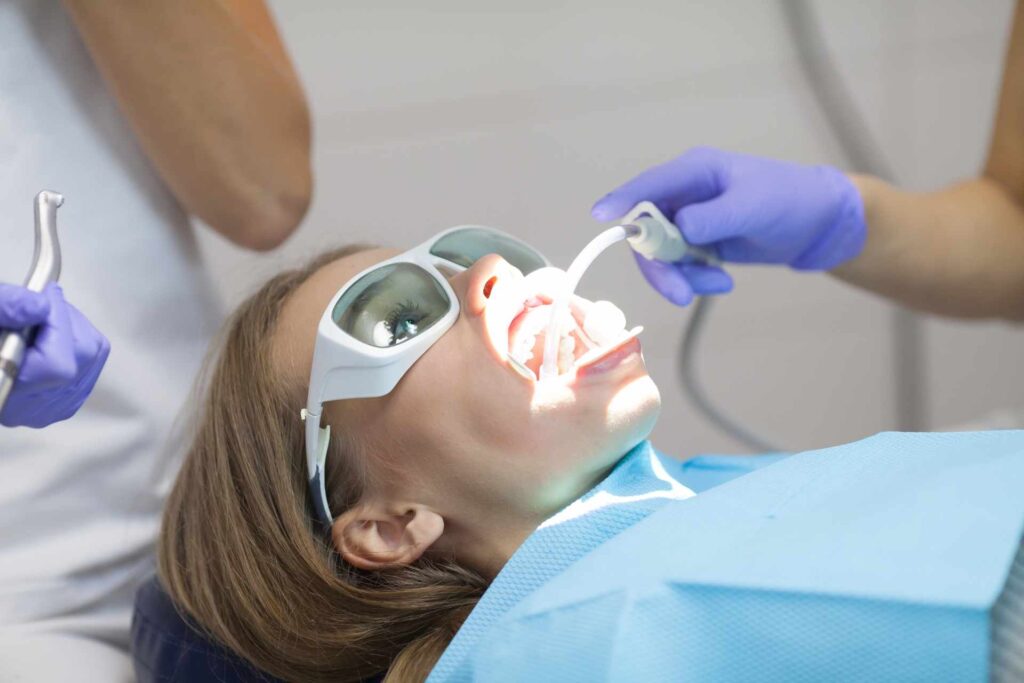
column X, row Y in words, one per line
column 167, row 647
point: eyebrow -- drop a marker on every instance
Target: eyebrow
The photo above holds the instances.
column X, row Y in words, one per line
column 367, row 293
column 371, row 290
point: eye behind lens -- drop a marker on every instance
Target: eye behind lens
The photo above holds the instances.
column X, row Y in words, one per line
column 391, row 305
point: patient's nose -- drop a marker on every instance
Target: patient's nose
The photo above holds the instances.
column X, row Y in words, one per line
column 480, row 278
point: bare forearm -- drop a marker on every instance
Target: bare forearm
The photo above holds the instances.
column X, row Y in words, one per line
column 218, row 110
column 956, row 252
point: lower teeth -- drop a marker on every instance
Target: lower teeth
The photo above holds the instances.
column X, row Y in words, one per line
column 566, row 352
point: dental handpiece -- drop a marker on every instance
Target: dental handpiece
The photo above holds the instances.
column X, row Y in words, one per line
column 45, row 269
column 650, row 234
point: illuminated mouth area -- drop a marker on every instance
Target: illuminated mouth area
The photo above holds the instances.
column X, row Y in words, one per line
column 588, row 332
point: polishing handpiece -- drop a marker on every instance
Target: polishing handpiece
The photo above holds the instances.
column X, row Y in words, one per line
column 45, row 269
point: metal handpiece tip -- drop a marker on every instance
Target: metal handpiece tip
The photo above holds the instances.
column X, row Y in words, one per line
column 46, row 260
column 45, row 269
column 51, row 197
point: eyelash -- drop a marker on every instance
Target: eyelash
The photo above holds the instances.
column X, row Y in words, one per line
column 405, row 309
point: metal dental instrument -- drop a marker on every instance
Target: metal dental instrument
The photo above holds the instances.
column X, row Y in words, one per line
column 45, row 269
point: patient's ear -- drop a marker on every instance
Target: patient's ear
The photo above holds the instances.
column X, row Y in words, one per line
column 375, row 535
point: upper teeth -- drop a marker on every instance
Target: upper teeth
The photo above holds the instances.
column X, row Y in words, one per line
column 604, row 322
column 604, row 325
column 535, row 322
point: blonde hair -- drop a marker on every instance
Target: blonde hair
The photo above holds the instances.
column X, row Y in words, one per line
column 239, row 550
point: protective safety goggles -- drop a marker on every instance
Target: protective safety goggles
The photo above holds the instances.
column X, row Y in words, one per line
column 383, row 319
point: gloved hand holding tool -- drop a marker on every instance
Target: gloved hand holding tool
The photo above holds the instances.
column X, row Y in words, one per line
column 746, row 209
column 50, row 354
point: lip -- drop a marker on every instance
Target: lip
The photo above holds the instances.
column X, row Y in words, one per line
column 629, row 349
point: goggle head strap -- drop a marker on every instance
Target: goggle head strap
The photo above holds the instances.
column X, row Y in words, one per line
column 317, row 440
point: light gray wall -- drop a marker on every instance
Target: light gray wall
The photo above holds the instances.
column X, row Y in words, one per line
column 521, row 116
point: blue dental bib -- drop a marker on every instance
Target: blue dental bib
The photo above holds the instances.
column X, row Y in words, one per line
column 885, row 559
column 641, row 483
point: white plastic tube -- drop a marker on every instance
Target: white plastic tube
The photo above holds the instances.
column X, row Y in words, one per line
column 580, row 264
column 650, row 234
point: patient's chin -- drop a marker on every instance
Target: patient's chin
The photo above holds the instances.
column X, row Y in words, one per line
column 633, row 411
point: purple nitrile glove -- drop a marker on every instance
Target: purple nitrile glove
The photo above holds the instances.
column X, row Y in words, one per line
column 747, row 209
column 61, row 366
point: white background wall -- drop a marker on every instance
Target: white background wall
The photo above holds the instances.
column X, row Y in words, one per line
column 520, row 116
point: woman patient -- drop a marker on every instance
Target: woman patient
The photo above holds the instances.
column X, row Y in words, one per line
column 443, row 453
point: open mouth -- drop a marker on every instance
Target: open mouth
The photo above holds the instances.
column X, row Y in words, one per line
column 588, row 331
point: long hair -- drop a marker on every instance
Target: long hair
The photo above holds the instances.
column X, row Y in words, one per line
column 239, row 550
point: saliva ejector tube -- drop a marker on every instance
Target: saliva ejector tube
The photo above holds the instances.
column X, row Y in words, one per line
column 650, row 234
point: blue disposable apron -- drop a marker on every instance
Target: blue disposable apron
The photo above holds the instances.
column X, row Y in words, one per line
column 877, row 560
column 641, row 483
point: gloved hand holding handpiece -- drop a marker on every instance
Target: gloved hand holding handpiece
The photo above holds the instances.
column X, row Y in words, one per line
column 50, row 354
column 747, row 210
column 61, row 365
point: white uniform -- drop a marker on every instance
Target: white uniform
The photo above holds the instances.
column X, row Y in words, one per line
column 80, row 501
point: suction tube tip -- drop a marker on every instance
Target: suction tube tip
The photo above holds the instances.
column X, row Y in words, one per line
column 632, row 229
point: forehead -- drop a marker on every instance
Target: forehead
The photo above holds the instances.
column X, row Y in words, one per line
column 295, row 334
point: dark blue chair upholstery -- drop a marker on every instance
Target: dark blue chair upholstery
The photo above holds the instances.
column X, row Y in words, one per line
column 167, row 646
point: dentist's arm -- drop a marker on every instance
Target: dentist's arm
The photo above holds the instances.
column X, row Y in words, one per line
column 214, row 100
column 957, row 252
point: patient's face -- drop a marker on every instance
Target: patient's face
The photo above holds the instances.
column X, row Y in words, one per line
column 465, row 432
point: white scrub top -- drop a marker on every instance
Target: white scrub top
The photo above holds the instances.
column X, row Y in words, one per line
column 80, row 501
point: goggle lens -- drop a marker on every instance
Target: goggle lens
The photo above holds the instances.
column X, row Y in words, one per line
column 466, row 246
column 395, row 303
column 391, row 304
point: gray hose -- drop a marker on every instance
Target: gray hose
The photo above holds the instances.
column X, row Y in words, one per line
column 695, row 390
column 863, row 153
column 841, row 112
